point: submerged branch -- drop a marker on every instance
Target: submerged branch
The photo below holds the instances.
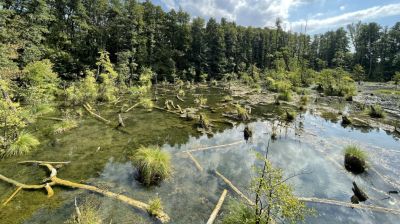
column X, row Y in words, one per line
column 213, row 147
column 54, row 180
column 214, row 213
column 196, row 163
column 90, row 110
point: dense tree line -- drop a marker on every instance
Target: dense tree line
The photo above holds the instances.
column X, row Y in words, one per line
column 141, row 35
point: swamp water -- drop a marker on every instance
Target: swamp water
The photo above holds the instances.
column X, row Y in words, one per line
column 99, row 156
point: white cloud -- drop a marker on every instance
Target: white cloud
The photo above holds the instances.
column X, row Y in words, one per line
column 342, row 8
column 244, row 12
column 346, row 18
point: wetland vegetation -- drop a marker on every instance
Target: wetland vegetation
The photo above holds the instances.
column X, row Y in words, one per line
column 120, row 112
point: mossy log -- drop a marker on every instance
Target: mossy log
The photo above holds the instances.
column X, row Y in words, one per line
column 54, row 180
column 214, row 213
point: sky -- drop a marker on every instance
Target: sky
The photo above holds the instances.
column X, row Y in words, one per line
column 319, row 15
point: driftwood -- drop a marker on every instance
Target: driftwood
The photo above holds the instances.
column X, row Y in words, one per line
column 130, row 108
column 234, row 188
column 196, row 163
column 90, row 110
column 163, row 109
column 350, row 205
column 214, row 213
column 177, row 96
column 54, row 180
column 212, row 147
column 120, row 121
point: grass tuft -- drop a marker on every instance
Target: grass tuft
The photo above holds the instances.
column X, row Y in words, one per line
column 285, row 96
column 355, row 151
column 153, row 164
column 24, row 144
column 155, row 206
column 376, row 111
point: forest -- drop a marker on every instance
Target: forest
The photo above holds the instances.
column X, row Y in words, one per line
column 134, row 114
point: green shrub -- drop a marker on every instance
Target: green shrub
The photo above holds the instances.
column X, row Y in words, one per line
column 24, row 144
column 242, row 112
column 153, row 164
column 285, row 96
column 356, row 152
column 376, row 111
column 304, row 100
column 239, row 213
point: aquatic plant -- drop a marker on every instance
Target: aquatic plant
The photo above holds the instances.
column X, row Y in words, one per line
column 285, row 96
column 274, row 199
column 200, row 100
column 204, row 122
column 304, row 100
column 290, row 115
column 214, row 82
column 65, row 125
column 146, row 103
column 88, row 214
column 24, row 144
column 355, row 159
column 153, row 164
column 227, row 98
column 155, row 206
column 242, row 113
column 376, row 111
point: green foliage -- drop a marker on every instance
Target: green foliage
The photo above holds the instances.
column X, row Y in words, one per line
column 200, row 100
column 290, row 115
column 242, row 113
column 153, row 164
column 358, row 72
column 336, row 82
column 376, row 111
column 144, row 84
column 155, row 206
column 108, row 78
column 146, row 103
column 274, row 200
column 355, row 151
column 84, row 91
column 240, row 213
column 227, row 98
column 285, row 96
column 24, row 144
column 89, row 214
column 304, row 100
column 396, row 78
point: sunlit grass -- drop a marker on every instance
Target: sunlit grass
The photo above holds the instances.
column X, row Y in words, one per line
column 155, row 206
column 355, row 151
column 24, row 144
column 153, row 164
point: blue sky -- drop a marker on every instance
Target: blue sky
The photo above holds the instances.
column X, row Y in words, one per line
column 320, row 15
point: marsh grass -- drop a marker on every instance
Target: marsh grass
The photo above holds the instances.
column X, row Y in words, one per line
column 88, row 214
column 290, row 115
column 285, row 96
column 376, row 111
column 355, row 151
column 242, row 112
column 155, row 206
column 153, row 164
column 24, row 144
column 147, row 103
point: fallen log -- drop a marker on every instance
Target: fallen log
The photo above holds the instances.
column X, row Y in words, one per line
column 120, row 121
column 212, row 147
column 196, row 163
column 54, row 180
column 233, row 187
column 89, row 109
column 130, row 108
column 350, row 205
column 177, row 96
column 214, row 213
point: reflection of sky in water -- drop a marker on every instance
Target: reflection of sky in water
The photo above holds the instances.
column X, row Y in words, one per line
column 190, row 196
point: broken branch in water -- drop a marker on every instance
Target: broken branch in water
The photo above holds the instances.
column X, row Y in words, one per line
column 350, row 205
column 54, row 180
column 213, row 147
column 233, row 187
column 130, row 108
column 196, row 163
column 214, row 213
column 12, row 196
column 90, row 110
